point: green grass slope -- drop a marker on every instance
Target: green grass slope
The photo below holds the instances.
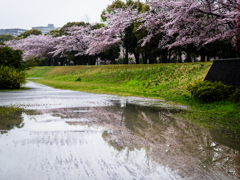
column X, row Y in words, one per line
column 167, row 81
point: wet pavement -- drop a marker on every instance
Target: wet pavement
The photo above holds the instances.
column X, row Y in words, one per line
column 46, row 133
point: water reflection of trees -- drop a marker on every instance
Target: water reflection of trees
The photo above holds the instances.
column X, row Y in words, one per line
column 10, row 117
column 191, row 151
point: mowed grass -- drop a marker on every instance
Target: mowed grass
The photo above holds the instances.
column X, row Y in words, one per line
column 162, row 81
column 166, row 81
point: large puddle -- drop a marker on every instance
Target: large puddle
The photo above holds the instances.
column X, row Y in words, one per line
column 47, row 133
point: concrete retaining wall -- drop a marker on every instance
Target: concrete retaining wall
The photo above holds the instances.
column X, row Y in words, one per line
column 225, row 70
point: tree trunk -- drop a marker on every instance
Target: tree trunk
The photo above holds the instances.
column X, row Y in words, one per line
column 94, row 60
column 49, row 61
column 75, row 61
column 164, row 57
column 180, row 56
column 113, row 59
column 126, row 57
column 169, row 57
column 202, row 57
column 208, row 57
column 155, row 59
column 151, row 60
column 55, row 62
column 144, row 58
column 88, row 60
column 188, row 57
column 136, row 57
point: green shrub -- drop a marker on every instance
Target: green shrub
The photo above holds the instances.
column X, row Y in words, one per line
column 78, row 79
column 10, row 57
column 13, row 58
column 208, row 91
column 11, row 78
column 235, row 97
column 28, row 33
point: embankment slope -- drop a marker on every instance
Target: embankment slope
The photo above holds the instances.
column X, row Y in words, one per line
column 166, row 81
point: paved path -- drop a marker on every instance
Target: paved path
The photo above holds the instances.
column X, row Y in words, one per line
column 62, row 134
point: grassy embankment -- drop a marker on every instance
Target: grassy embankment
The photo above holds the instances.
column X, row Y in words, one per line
column 163, row 81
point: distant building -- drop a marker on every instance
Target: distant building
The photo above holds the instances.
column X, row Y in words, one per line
column 45, row 29
column 14, row 32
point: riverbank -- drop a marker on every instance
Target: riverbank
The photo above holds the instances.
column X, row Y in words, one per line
column 161, row 81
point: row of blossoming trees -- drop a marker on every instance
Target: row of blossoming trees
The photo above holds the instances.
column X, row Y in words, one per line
column 157, row 31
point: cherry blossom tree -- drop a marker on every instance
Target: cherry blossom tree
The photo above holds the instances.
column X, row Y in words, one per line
column 179, row 24
column 35, row 46
column 238, row 34
column 112, row 34
column 76, row 39
column 197, row 22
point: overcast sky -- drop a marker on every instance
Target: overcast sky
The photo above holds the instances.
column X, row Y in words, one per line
column 26, row 14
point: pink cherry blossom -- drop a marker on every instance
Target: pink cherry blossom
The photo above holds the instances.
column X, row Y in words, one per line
column 38, row 46
column 112, row 34
column 197, row 22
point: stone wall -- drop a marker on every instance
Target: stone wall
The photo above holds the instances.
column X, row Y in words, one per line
column 225, row 70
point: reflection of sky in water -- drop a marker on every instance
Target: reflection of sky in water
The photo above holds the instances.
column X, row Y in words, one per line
column 75, row 135
column 48, row 147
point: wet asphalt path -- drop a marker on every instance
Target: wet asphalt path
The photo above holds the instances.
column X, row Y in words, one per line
column 48, row 133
